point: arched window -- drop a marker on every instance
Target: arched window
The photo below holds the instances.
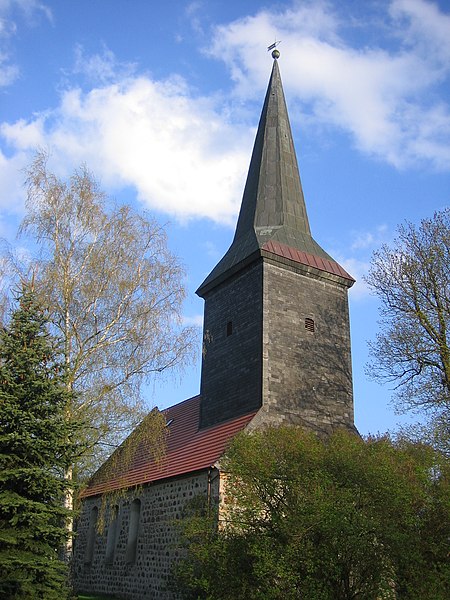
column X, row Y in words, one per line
column 135, row 516
column 90, row 543
column 112, row 536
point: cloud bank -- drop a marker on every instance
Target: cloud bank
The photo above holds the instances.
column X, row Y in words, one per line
column 150, row 135
column 387, row 98
column 379, row 80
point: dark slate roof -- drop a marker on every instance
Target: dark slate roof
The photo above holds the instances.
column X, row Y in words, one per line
column 273, row 207
column 188, row 449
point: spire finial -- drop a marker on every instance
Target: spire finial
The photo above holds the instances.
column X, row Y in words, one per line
column 273, row 47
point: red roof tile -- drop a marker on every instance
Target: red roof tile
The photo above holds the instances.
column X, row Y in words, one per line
column 188, row 449
column 310, row 260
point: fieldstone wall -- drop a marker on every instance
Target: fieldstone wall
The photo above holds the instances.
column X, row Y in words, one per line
column 307, row 373
column 148, row 577
column 288, row 350
column 232, row 347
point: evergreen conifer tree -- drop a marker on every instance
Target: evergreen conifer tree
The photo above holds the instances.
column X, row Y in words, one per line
column 37, row 443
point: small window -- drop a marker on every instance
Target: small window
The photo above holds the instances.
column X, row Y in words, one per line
column 135, row 516
column 309, row 325
column 229, row 328
column 90, row 544
column 112, row 536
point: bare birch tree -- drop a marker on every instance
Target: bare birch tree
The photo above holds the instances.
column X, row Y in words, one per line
column 411, row 278
column 114, row 293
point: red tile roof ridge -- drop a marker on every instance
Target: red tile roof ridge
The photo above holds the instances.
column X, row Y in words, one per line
column 304, row 258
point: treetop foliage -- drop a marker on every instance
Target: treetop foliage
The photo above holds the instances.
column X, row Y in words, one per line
column 331, row 520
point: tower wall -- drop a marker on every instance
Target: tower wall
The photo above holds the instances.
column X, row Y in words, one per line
column 232, row 347
column 307, row 376
column 288, row 351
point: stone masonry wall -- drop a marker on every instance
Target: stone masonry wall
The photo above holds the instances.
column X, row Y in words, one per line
column 147, row 578
column 307, row 378
column 232, row 347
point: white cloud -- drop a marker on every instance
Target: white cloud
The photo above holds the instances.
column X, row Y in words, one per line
column 183, row 153
column 179, row 151
column 384, row 97
column 357, row 260
column 12, row 196
column 364, row 240
column 357, row 269
column 193, row 320
column 9, row 71
column 193, row 11
column 101, row 68
column 30, row 8
column 424, row 28
column 212, row 250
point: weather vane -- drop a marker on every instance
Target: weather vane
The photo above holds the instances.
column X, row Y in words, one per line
column 273, row 47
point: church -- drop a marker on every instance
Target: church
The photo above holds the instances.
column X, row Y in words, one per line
column 276, row 350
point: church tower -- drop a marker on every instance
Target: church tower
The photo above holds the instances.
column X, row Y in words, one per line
column 276, row 329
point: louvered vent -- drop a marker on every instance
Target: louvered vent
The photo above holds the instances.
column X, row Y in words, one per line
column 309, row 325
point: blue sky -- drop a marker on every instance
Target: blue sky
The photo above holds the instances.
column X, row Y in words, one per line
column 161, row 100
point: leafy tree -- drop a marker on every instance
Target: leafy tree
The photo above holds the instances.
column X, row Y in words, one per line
column 434, row 431
column 114, row 293
column 37, row 444
column 412, row 280
column 334, row 520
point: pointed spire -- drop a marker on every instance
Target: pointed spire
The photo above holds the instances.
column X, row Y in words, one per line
column 273, row 195
column 273, row 212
